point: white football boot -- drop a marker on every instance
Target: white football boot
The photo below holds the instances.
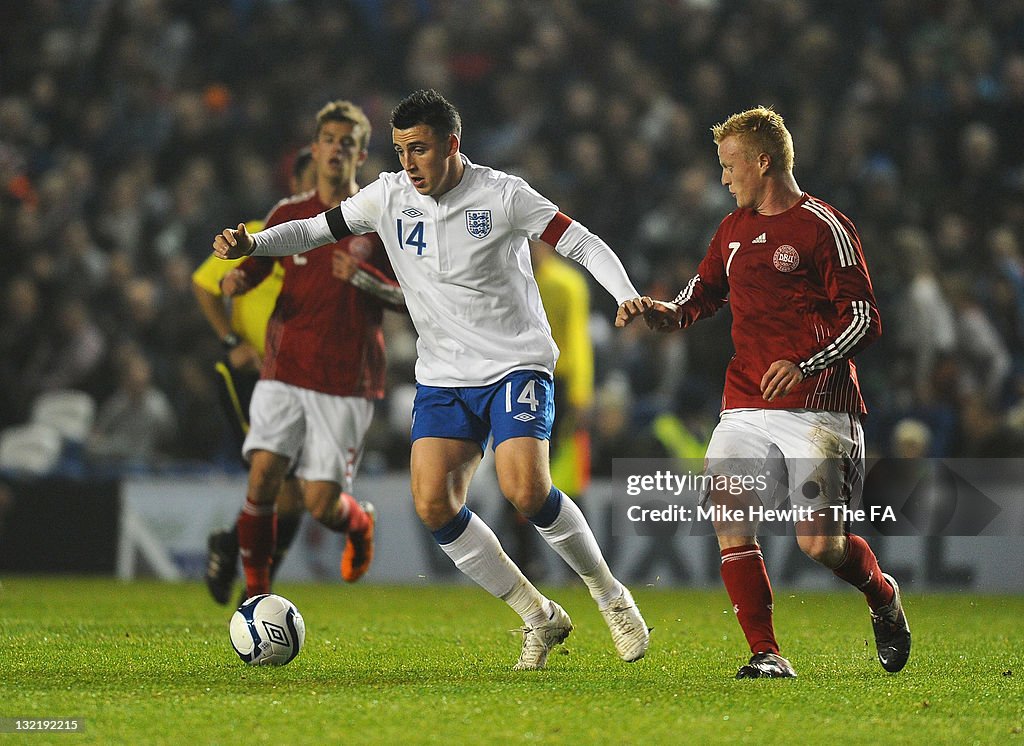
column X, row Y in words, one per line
column 538, row 640
column 629, row 630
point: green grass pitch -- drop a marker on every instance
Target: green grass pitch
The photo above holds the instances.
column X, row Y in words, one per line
column 151, row 663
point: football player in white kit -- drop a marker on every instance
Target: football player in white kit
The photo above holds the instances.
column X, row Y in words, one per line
column 457, row 236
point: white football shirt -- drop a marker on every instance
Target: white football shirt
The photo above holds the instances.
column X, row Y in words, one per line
column 463, row 262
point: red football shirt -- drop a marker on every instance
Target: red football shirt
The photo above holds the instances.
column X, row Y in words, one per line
column 799, row 290
column 324, row 334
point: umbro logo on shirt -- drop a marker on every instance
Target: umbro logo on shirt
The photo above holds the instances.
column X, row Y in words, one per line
column 412, row 212
column 760, row 239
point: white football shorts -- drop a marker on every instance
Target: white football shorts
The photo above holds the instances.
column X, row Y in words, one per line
column 814, row 458
column 322, row 435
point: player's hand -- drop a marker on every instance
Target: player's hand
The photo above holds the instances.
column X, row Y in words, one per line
column 779, row 379
column 235, row 282
column 343, row 265
column 244, row 357
column 632, row 308
column 663, row 316
column 233, row 243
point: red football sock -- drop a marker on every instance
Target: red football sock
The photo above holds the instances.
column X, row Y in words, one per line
column 357, row 519
column 750, row 591
column 257, row 535
column 860, row 569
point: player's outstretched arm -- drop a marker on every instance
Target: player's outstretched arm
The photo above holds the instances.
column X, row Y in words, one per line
column 631, row 308
column 233, row 243
column 664, row 316
column 282, row 239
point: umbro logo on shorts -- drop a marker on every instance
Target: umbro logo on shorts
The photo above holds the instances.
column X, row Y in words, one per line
column 524, row 417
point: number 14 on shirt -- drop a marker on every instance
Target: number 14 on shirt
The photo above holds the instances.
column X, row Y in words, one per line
column 414, row 239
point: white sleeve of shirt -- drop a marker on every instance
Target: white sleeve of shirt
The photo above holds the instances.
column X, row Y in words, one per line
column 362, row 211
column 579, row 244
column 292, row 237
column 529, row 211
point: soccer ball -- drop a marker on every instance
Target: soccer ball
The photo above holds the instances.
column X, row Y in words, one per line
column 267, row 630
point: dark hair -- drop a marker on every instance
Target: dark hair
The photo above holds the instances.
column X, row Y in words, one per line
column 430, row 108
column 302, row 159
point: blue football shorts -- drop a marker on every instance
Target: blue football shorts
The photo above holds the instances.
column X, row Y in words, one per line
column 522, row 404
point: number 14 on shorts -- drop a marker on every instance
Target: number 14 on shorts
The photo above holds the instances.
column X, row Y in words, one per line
column 527, row 396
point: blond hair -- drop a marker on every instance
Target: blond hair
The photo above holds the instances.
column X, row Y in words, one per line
column 346, row 111
column 761, row 130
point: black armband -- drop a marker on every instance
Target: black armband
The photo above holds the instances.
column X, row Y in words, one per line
column 336, row 222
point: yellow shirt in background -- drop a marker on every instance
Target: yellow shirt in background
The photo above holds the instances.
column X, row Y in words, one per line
column 566, row 297
column 251, row 311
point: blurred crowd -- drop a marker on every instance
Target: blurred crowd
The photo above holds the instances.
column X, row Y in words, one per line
column 133, row 130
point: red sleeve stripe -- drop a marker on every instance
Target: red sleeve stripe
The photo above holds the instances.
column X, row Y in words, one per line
column 558, row 225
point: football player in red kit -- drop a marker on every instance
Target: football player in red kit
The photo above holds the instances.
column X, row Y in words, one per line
column 324, row 364
column 793, row 272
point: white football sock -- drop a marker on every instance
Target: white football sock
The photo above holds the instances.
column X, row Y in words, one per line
column 478, row 553
column 570, row 535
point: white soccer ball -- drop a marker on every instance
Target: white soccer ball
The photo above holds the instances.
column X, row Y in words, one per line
column 267, row 630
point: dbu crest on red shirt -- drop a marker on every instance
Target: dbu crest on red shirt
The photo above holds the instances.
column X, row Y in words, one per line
column 786, row 258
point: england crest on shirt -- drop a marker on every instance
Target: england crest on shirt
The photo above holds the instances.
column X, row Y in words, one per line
column 478, row 223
